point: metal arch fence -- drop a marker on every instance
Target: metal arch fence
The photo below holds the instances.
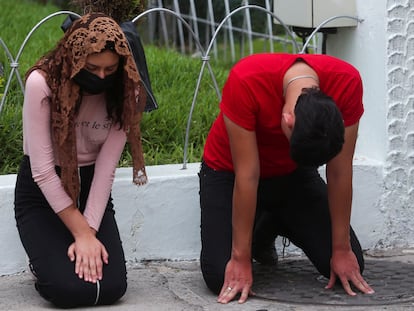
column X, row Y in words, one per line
column 211, row 25
column 14, row 62
column 204, row 53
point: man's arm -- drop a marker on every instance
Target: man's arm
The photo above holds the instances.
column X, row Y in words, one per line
column 339, row 180
column 238, row 274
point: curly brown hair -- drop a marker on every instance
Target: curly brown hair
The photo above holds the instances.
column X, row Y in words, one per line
column 88, row 35
column 119, row 10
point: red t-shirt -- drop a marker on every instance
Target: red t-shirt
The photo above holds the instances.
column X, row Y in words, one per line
column 253, row 99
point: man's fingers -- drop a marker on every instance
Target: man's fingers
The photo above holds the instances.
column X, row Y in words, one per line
column 348, row 288
column 244, row 295
column 223, row 291
column 345, row 284
column 331, row 282
column 362, row 285
column 227, row 294
column 358, row 281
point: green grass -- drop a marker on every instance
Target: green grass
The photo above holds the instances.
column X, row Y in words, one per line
column 173, row 76
column 10, row 139
column 174, row 79
column 17, row 18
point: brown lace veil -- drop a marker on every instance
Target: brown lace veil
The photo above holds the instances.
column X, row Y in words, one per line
column 86, row 36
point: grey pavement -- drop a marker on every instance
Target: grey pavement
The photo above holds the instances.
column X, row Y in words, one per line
column 177, row 286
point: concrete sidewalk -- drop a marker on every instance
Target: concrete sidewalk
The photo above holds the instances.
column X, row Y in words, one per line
column 177, row 286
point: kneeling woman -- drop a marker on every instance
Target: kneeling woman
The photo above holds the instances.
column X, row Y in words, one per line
column 83, row 101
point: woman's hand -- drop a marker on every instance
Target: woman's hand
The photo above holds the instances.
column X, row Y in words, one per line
column 238, row 278
column 89, row 255
column 87, row 251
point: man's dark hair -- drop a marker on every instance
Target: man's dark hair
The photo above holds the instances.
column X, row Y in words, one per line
column 318, row 133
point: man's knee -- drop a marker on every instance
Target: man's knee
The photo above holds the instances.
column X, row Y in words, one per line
column 213, row 281
column 213, row 276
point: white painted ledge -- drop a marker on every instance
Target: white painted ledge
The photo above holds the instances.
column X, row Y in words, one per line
column 161, row 220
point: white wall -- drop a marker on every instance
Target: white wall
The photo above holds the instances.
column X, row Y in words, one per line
column 382, row 48
column 364, row 47
column 161, row 220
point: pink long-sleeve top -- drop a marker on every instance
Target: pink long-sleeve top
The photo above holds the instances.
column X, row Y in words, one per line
column 98, row 141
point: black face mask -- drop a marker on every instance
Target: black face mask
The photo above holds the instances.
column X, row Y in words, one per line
column 92, row 84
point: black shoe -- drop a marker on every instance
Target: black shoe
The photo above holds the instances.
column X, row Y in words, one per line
column 265, row 255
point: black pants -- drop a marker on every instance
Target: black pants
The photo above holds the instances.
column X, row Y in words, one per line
column 46, row 240
column 294, row 206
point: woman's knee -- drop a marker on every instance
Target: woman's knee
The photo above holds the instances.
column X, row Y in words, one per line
column 111, row 291
column 67, row 293
column 77, row 292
